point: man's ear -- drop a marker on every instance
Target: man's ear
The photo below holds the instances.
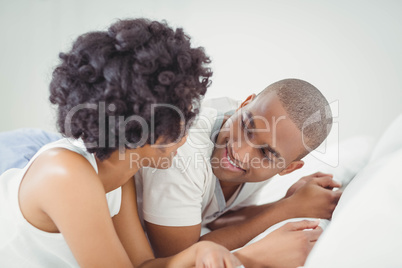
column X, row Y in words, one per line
column 246, row 101
column 295, row 165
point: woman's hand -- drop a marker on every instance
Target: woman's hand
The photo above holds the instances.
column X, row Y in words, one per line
column 211, row 255
column 287, row 246
column 204, row 254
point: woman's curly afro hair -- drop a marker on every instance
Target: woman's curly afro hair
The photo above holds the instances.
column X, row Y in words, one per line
column 107, row 86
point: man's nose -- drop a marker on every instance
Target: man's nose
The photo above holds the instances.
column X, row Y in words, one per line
column 242, row 151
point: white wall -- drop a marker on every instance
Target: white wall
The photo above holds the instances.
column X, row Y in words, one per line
column 351, row 50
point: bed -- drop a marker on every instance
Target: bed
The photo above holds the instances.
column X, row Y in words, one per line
column 366, row 227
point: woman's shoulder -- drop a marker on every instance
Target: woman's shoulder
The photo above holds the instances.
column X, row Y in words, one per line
column 61, row 167
column 61, row 162
column 62, row 158
column 57, row 176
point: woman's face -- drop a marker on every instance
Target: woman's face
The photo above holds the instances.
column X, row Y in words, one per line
column 160, row 155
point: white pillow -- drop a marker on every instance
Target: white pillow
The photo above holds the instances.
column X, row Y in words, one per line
column 390, row 141
column 343, row 160
column 366, row 228
column 222, row 104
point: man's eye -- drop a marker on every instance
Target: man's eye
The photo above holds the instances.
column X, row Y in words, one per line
column 248, row 132
column 243, row 125
column 265, row 155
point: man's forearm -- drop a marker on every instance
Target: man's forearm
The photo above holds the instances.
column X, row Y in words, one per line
column 238, row 216
column 233, row 234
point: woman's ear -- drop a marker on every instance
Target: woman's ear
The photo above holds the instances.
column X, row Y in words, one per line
column 295, row 165
column 246, row 101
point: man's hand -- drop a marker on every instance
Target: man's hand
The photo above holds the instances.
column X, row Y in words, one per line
column 305, row 179
column 312, row 196
column 287, row 246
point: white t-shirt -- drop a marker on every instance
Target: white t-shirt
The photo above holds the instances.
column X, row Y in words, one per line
column 188, row 193
column 22, row 244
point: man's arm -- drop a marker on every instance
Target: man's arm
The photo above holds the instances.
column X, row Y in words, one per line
column 313, row 199
column 167, row 240
column 236, row 234
column 238, row 216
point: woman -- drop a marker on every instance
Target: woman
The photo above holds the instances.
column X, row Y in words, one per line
column 125, row 99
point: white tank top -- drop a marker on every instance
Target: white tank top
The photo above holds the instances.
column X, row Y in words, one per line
column 22, row 244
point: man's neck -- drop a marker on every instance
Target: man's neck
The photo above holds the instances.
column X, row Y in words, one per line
column 228, row 189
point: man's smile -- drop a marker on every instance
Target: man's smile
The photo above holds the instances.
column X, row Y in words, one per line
column 232, row 165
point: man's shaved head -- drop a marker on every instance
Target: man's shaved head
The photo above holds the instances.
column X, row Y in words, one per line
column 306, row 107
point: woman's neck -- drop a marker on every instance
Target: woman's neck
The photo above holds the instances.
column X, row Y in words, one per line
column 117, row 169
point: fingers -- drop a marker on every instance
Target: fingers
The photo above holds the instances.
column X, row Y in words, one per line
column 218, row 263
column 199, row 264
column 321, row 174
column 327, row 182
column 314, row 234
column 232, row 262
column 313, row 237
column 218, row 259
column 337, row 195
column 301, row 225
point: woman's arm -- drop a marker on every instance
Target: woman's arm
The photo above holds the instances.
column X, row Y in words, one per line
column 73, row 197
column 129, row 229
column 131, row 234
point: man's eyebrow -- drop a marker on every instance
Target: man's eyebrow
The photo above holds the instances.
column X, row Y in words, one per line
column 249, row 117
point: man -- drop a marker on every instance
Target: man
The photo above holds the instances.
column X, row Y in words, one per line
column 220, row 171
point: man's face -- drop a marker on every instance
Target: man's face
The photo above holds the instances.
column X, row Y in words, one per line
column 257, row 142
